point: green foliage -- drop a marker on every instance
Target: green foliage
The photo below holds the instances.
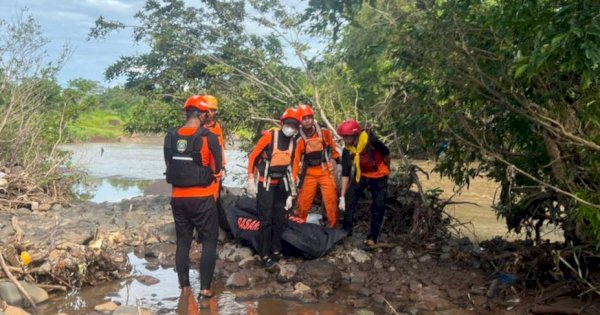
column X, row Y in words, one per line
column 97, row 124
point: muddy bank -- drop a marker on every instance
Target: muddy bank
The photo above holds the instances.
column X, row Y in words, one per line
column 87, row 245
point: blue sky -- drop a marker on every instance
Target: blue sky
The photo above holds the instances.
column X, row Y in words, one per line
column 68, row 22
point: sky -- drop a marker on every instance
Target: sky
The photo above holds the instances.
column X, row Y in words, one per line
column 68, row 22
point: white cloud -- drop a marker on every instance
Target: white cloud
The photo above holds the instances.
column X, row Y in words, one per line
column 111, row 5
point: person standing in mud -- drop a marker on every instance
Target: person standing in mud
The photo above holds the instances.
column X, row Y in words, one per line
column 369, row 159
column 316, row 150
column 214, row 127
column 272, row 159
column 193, row 160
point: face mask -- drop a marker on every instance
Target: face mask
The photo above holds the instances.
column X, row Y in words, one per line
column 288, row 131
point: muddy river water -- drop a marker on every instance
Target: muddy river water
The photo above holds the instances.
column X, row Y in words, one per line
column 124, row 170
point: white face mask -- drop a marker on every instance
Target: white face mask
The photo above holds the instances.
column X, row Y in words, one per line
column 288, row 131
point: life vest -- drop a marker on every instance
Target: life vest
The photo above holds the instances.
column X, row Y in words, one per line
column 279, row 161
column 370, row 159
column 184, row 164
column 314, row 152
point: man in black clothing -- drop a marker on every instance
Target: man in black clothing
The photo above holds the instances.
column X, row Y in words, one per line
column 369, row 158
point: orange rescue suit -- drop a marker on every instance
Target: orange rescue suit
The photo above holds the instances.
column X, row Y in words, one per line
column 317, row 175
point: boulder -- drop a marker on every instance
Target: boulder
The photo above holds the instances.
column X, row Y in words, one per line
column 360, row 256
column 286, row 272
column 237, row 280
column 106, row 307
column 13, row 310
column 12, row 296
column 315, row 273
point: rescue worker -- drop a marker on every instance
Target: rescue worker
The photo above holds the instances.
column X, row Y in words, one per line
column 369, row 160
column 193, row 160
column 316, row 150
column 214, row 127
column 272, row 159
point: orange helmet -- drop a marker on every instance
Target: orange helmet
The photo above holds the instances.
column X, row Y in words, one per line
column 291, row 115
column 196, row 101
column 306, row 110
column 212, row 101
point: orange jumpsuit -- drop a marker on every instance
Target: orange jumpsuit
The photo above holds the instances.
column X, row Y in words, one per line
column 317, row 175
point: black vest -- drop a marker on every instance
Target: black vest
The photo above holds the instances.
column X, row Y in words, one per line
column 182, row 156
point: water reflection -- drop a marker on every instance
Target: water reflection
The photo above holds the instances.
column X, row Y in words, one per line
column 110, row 189
column 123, row 170
column 165, row 297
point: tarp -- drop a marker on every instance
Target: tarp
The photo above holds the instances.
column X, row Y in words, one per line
column 307, row 239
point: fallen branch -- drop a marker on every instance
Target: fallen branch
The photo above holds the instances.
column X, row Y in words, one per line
column 16, row 283
column 391, row 307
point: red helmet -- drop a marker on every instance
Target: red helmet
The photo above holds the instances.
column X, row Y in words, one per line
column 198, row 102
column 306, row 110
column 292, row 114
column 349, row 127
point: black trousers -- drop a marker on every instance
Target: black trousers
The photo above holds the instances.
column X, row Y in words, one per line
column 271, row 214
column 378, row 189
column 198, row 213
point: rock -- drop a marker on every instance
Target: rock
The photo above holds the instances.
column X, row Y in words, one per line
column 455, row 294
column 237, row 280
column 3, row 182
column 147, row 280
column 493, row 289
column 445, row 256
column 248, row 262
column 425, row 258
column 12, row 296
column 411, row 310
column 301, row 288
column 479, row 300
column 361, row 303
column 286, row 272
column 22, row 211
column 166, row 232
column 106, row 307
column 131, row 310
column 358, row 277
column 57, row 207
column 13, row 310
column 365, row 291
column 364, row 312
column 378, row 264
column 410, row 254
column 45, row 207
column 398, row 252
column 235, row 254
column 360, row 256
column 315, row 273
column 415, row 285
column 378, row 298
column 446, row 249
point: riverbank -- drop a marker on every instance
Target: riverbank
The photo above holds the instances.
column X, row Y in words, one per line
column 87, row 244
